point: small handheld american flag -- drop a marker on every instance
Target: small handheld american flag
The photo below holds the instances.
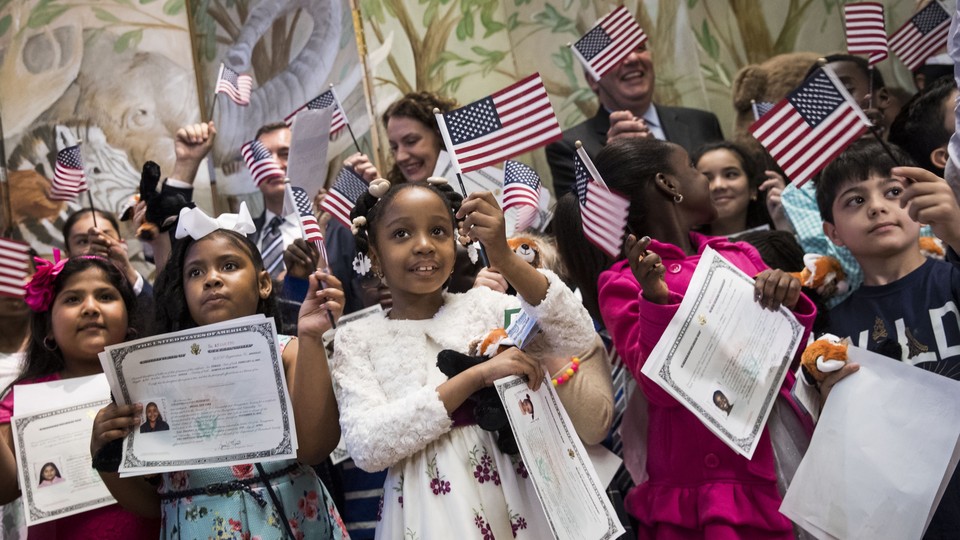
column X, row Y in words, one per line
column 260, row 161
column 866, row 33
column 602, row 211
column 14, row 265
column 308, row 221
column 613, row 38
column 68, row 177
column 342, row 197
column 235, row 85
column 507, row 123
column 811, row 126
column 521, row 190
column 327, row 99
column 922, row 36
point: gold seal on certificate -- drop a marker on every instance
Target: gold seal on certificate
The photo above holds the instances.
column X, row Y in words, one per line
column 723, row 356
column 212, row 395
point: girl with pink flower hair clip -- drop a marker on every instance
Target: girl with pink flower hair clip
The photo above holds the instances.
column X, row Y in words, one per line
column 80, row 305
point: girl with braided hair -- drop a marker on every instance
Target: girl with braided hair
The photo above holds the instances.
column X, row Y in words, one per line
column 446, row 477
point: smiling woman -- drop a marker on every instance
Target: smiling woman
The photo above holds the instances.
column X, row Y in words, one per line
column 734, row 187
column 414, row 138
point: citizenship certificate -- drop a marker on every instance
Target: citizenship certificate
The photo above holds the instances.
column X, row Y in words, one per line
column 213, row 395
column 723, row 356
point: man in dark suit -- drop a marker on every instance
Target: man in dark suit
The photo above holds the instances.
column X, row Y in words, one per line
column 627, row 110
column 274, row 230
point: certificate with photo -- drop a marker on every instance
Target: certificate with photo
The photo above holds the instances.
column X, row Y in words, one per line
column 52, row 448
column 723, row 356
column 212, row 395
column 571, row 493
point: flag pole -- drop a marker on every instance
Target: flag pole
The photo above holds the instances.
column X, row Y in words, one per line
column 211, row 167
column 346, row 120
column 7, row 222
column 93, row 213
column 288, row 193
column 456, row 168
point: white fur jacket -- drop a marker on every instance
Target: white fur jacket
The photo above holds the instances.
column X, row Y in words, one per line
column 385, row 371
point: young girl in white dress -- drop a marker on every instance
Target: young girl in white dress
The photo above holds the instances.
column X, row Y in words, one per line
column 447, row 478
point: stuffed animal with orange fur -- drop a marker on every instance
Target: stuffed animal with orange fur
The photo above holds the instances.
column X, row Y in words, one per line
column 932, row 247
column 824, row 356
column 823, row 274
column 527, row 248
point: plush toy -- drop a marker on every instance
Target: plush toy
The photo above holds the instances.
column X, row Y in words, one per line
column 932, row 247
column 162, row 208
column 824, row 356
column 488, row 410
column 527, row 248
column 823, row 274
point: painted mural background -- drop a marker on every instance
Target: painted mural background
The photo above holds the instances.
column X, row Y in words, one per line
column 123, row 75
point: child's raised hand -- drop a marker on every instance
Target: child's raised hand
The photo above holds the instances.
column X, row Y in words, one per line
column 648, row 269
column 321, row 307
column 512, row 361
column 483, row 221
column 774, row 288
column 114, row 422
column 301, row 258
column 930, row 200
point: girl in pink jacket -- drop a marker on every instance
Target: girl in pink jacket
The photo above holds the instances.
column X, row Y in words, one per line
column 697, row 487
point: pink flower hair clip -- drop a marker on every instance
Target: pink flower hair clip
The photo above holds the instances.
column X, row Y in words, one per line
column 39, row 291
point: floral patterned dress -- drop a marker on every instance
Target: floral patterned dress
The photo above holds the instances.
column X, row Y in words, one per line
column 250, row 514
column 462, row 486
column 239, row 515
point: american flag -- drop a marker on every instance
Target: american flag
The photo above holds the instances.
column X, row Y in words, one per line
column 236, row 86
column 760, row 108
column 327, row 99
column 613, row 38
column 68, row 178
column 344, row 194
column 261, row 162
column 922, row 36
column 308, row 221
column 14, row 265
column 521, row 190
column 866, row 33
column 811, row 126
column 510, row 122
column 602, row 211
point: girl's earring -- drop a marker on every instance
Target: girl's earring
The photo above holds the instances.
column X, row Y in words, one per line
column 678, row 198
column 132, row 333
column 49, row 343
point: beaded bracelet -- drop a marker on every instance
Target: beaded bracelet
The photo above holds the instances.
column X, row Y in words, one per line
column 567, row 374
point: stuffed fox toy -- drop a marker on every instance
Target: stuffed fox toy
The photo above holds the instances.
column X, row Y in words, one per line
column 824, row 356
column 822, row 273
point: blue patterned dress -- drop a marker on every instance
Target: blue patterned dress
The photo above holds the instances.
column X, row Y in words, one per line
column 250, row 514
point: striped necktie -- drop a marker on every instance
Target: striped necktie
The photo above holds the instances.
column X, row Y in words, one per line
column 271, row 248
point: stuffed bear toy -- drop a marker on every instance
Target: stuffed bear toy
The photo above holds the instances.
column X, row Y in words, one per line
column 767, row 82
column 488, row 410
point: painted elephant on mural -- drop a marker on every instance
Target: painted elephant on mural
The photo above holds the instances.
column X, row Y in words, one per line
column 302, row 80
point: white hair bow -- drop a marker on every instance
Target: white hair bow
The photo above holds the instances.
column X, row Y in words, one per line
column 195, row 223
